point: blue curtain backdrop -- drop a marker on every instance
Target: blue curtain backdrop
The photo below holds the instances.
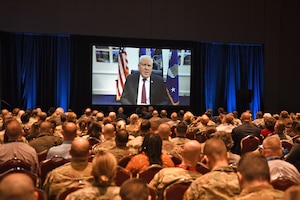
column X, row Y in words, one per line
column 35, row 70
column 233, row 76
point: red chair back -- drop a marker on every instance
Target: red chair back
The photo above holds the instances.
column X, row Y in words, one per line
column 282, row 183
column 14, row 163
column 122, row 175
column 176, row 190
column 148, row 174
column 47, row 165
column 249, row 143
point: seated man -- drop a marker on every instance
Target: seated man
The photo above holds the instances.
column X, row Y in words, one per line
column 186, row 170
column 17, row 186
column 254, row 178
column 272, row 150
column 109, row 132
column 121, row 150
column 180, row 139
column 16, row 147
column 76, row 173
column 45, row 139
column 69, row 130
column 154, row 91
column 221, row 182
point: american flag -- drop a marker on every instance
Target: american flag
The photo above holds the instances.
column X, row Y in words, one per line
column 123, row 72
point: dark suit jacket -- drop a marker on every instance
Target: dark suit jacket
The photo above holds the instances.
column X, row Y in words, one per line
column 158, row 93
column 242, row 131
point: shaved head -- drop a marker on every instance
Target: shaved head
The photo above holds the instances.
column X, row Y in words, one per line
column 164, row 131
column 17, row 186
column 191, row 152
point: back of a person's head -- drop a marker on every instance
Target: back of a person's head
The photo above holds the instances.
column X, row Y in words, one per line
column 296, row 126
column 181, row 128
column 215, row 150
column 13, row 129
column 270, row 122
column 104, row 167
column 134, row 189
column 94, row 129
column 46, row 127
column 188, row 117
column 254, row 167
column 191, row 151
column 17, row 186
column 164, row 131
column 229, row 119
column 145, row 125
column 122, row 136
column 246, row 117
column 272, row 146
column 163, row 113
column 109, row 129
column 152, row 146
column 279, row 126
column 69, row 130
column 284, row 114
column 80, row 148
column 226, row 137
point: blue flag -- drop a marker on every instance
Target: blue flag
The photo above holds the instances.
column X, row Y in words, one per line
column 172, row 78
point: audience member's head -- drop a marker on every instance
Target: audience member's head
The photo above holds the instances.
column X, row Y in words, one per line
column 135, row 189
column 191, row 153
column 17, row 186
column 104, row 168
column 226, row 137
column 46, row 127
column 181, row 129
column 80, row 149
column 94, row 129
column 144, row 127
column 69, row 130
column 152, row 146
column 13, row 130
column 279, row 127
column 121, row 137
column 253, row 170
column 270, row 123
column 246, row 117
column 164, row 131
column 112, row 116
column 188, row 117
column 272, row 147
column 215, row 153
column 109, row 131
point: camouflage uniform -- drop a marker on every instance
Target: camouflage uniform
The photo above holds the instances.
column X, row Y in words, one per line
column 92, row 193
column 167, row 176
column 104, row 146
column 120, row 152
column 72, row 174
column 260, row 192
column 221, row 183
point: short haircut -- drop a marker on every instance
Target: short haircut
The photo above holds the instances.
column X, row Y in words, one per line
column 145, row 125
column 181, row 127
column 134, row 189
column 122, row 136
column 80, row 147
column 253, row 166
column 215, row 149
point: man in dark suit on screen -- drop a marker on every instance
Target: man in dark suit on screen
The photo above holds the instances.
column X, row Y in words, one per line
column 145, row 88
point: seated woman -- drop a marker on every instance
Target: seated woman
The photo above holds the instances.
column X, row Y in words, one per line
column 104, row 167
column 150, row 153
